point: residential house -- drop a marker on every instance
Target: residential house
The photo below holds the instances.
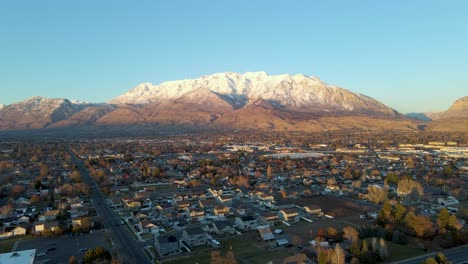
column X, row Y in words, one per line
column 207, row 204
column 224, row 199
column 268, row 218
column 220, row 211
column 247, row 222
column 223, row 227
column 312, row 210
column 146, row 227
column 40, row 227
column 48, row 216
column 12, row 231
column 166, row 245
column 291, row 215
column 194, row 236
column 267, row 236
column 23, row 220
column 131, row 205
column 198, row 214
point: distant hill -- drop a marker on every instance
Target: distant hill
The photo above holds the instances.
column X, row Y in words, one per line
column 453, row 119
column 419, row 116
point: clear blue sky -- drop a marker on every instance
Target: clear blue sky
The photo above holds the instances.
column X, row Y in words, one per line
column 411, row 55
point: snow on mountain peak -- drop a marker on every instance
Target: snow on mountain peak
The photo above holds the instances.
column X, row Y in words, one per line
column 297, row 91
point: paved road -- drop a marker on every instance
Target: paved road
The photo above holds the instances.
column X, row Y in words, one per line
column 129, row 250
column 456, row 255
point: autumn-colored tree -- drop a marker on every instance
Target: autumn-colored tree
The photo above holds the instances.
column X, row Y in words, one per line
column 6, row 209
column 400, row 211
column 17, row 190
column 454, row 223
column 376, row 194
column 35, row 199
column 332, row 232
column 443, row 218
column 392, row 178
column 337, row 255
column 269, row 172
column 441, row 259
column 407, row 185
column 350, row 233
column 72, row 260
column 43, row 170
column 75, row 176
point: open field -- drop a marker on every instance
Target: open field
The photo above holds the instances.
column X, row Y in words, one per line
column 398, row 252
column 337, row 206
column 247, row 249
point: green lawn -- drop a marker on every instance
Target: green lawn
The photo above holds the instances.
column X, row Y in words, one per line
column 398, row 252
column 6, row 245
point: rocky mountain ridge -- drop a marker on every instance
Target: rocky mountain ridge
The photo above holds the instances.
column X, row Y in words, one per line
column 219, row 101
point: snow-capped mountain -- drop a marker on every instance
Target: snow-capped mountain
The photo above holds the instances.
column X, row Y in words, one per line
column 36, row 112
column 294, row 92
column 254, row 100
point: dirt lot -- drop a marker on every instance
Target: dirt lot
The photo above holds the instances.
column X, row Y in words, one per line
column 337, row 206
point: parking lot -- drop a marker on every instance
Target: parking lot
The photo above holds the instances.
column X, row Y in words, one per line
column 59, row 249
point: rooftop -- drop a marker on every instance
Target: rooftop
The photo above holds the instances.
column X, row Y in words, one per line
column 18, row 257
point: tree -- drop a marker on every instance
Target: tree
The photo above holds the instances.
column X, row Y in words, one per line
column 350, row 233
column 96, row 255
column 35, row 199
column 419, row 224
column 43, row 171
column 376, row 194
column 332, row 232
column 379, row 248
column 392, row 178
column 443, row 218
column 430, row 260
column 323, row 256
column 453, row 223
column 6, row 209
column 406, row 186
column 269, row 173
column 72, row 260
column 75, row 176
column 400, row 211
column 17, row 190
column 338, row 255
column 441, row 259
column 355, row 249
column 348, row 174
column 364, row 247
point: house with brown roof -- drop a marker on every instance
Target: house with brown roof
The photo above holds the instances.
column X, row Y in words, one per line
column 292, row 215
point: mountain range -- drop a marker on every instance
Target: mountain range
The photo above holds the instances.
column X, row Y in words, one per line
column 254, row 100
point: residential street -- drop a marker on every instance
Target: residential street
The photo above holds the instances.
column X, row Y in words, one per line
column 129, row 250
